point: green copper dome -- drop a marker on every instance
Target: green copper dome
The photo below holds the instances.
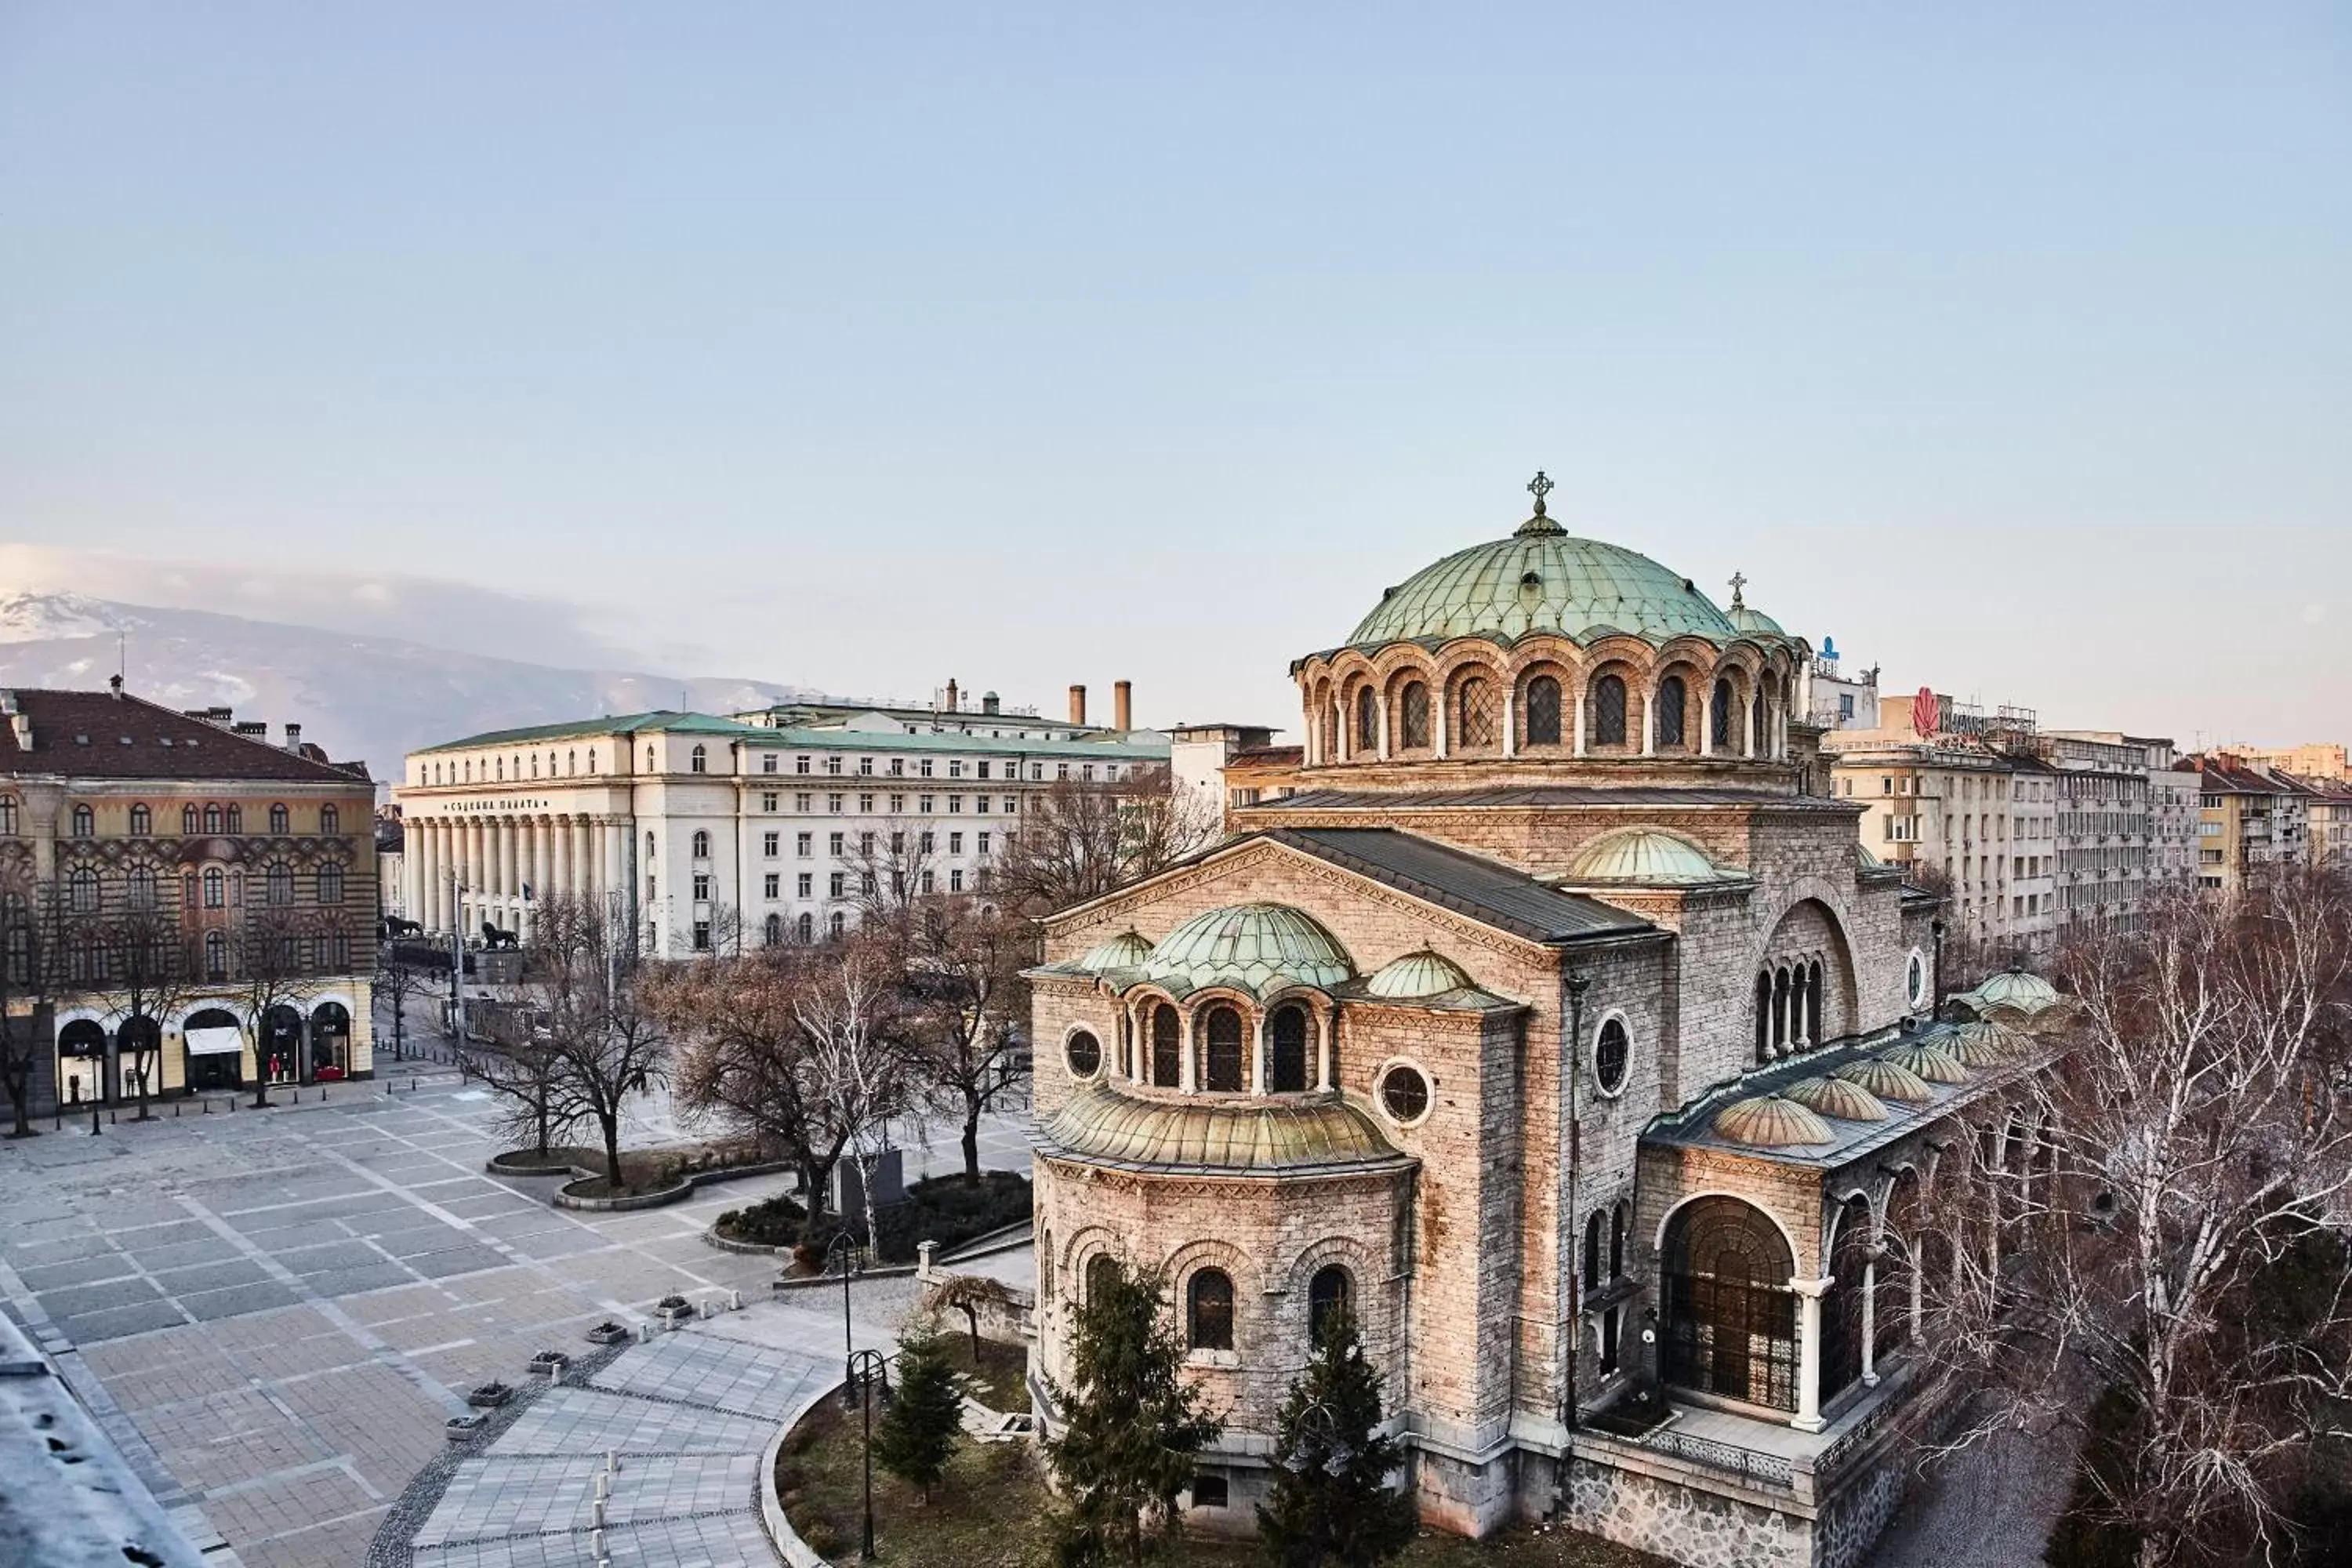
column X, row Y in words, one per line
column 1422, row 974
column 1126, row 950
column 2013, row 987
column 1754, row 623
column 1253, row 947
column 1647, row 856
column 1772, row 1122
column 1099, row 1123
column 1543, row 580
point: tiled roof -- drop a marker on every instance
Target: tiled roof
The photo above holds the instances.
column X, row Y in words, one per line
column 1269, row 756
column 96, row 734
column 1488, row 891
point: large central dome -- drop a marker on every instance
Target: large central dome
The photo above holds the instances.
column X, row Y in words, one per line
column 1542, row 579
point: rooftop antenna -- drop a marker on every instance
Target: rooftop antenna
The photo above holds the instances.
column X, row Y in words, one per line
column 122, row 655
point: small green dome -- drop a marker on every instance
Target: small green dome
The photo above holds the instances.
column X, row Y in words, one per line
column 1931, row 1064
column 1253, row 947
column 2015, row 988
column 1887, row 1081
column 1979, row 1044
column 1422, row 974
column 1770, row 1122
column 1835, row 1096
column 1647, row 856
column 1543, row 580
column 1753, row 623
column 1126, row 950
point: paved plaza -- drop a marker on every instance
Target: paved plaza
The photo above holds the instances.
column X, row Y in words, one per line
column 273, row 1312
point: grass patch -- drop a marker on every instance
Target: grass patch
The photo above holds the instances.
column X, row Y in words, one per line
column 642, row 1170
column 1000, row 1379
column 990, row 1512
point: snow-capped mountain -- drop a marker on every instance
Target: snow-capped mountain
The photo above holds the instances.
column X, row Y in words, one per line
column 362, row 698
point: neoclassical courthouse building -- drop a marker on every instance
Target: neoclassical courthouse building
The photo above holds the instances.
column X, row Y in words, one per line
column 1558, row 1029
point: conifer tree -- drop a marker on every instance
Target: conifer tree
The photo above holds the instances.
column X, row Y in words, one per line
column 918, row 1435
column 1329, row 1501
column 1130, row 1424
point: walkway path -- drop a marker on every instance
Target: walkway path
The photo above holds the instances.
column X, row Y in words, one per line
column 687, row 1417
column 1990, row 1506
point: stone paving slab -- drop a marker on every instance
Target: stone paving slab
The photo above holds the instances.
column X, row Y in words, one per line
column 570, row 1420
column 744, row 1380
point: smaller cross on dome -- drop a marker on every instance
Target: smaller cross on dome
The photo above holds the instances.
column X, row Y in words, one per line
column 1540, row 487
column 1738, row 580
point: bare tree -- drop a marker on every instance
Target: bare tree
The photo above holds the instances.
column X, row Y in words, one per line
column 960, row 963
column 1080, row 839
column 145, row 949
column 29, row 924
column 400, row 979
column 603, row 1042
column 270, row 975
column 891, row 869
column 848, row 1010
column 2157, row 1225
column 518, row 1063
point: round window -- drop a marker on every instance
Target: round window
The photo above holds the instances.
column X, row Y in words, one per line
column 1609, row 1057
column 1405, row 1092
column 1083, row 1053
column 1915, row 979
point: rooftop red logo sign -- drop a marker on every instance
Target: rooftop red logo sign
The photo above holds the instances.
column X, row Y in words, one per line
column 1926, row 711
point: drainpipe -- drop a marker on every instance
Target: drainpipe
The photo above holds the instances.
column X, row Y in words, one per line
column 1578, row 984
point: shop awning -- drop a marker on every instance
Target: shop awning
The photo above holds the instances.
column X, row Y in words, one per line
column 215, row 1041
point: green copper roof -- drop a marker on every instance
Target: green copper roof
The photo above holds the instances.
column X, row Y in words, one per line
column 1755, row 623
column 1542, row 580
column 1125, row 951
column 1648, row 856
column 1253, row 947
column 1268, row 1136
column 2015, row 988
column 1422, row 974
column 1930, row 1063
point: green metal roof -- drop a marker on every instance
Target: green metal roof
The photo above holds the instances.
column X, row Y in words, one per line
column 1648, row 856
column 1754, row 623
column 1542, row 580
column 1422, row 974
column 1255, row 947
column 611, row 724
column 816, row 739
column 1250, row 1136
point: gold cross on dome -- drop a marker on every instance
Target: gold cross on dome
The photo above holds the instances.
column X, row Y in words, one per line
column 1540, row 487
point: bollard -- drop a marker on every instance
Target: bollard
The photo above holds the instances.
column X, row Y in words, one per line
column 734, row 1300
column 644, row 1333
column 612, row 1460
column 603, row 1485
column 596, row 1541
column 175, row 1110
column 556, row 1373
column 208, row 1107
column 596, row 1513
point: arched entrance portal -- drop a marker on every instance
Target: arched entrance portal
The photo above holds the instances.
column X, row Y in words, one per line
column 1730, row 1316
column 331, row 1041
column 216, row 1048
column 279, row 1048
column 81, row 1062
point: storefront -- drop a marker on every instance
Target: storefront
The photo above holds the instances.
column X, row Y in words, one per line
column 330, row 1041
column 216, row 1048
column 81, row 1062
column 280, row 1048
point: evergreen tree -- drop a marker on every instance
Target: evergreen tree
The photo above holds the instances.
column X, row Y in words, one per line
column 1130, row 1424
column 918, row 1431
column 1331, row 1501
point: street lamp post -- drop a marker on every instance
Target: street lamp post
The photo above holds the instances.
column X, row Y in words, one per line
column 846, row 1245
column 869, row 1369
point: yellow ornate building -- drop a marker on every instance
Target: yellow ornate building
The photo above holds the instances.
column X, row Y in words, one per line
column 1557, row 1029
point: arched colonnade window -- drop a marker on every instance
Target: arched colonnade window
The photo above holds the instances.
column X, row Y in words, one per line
column 1218, row 1043
column 1788, row 1006
column 1620, row 698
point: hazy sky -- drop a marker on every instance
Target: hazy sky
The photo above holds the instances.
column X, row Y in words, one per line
column 862, row 346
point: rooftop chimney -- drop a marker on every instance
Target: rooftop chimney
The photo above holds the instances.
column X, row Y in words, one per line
column 293, row 737
column 952, row 694
column 1122, row 705
column 1078, row 704
column 114, row 684
column 253, row 727
column 988, row 703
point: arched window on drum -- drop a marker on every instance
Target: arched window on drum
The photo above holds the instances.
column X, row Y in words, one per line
column 1330, row 1301
column 1543, row 711
column 1286, row 1034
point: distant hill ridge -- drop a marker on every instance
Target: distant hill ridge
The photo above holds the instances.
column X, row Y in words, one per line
column 371, row 698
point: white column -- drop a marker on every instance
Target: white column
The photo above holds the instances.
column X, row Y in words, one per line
column 1705, row 722
column 1257, row 1057
column 1187, row 1077
column 1809, row 1352
column 1384, row 729
column 1748, row 727
column 1870, row 1323
column 1649, row 721
column 542, row 857
column 1323, row 1049
column 584, row 881
column 1580, row 722
column 509, row 880
column 1437, row 731
column 1510, row 725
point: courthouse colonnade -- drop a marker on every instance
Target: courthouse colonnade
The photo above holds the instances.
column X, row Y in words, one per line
column 505, row 864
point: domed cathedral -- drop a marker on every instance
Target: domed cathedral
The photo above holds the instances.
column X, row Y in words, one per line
column 1559, row 1032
